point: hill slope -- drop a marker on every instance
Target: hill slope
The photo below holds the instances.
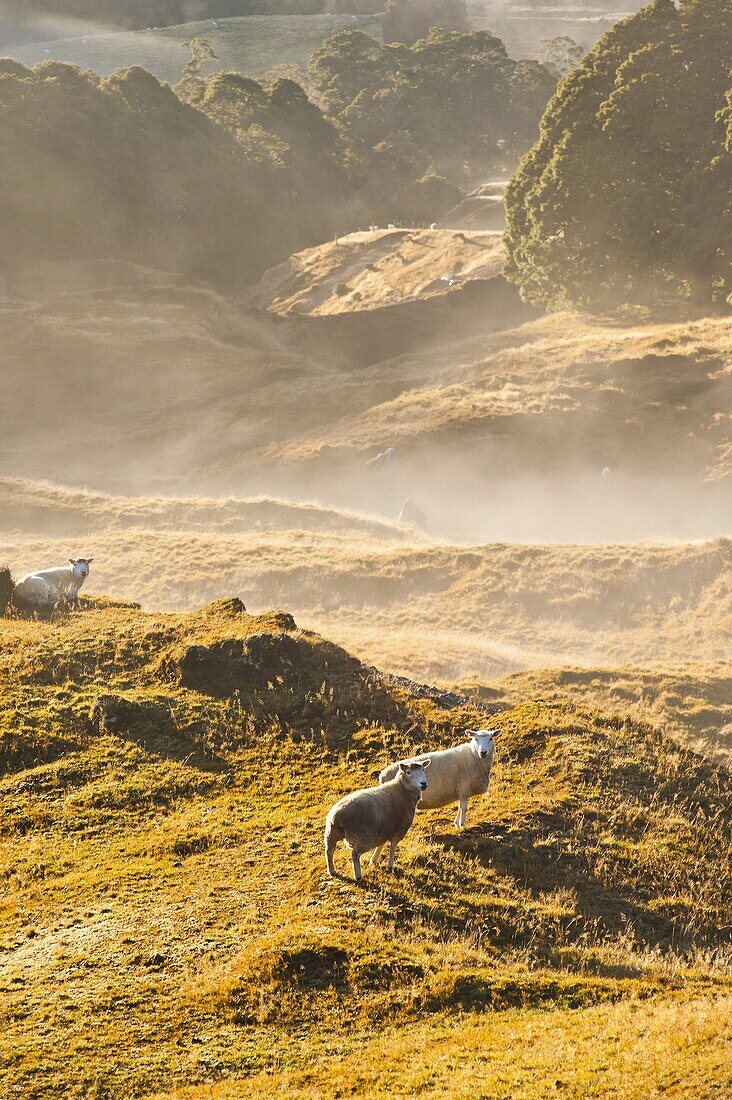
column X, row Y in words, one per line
column 398, row 597
column 500, row 432
column 167, row 919
column 369, row 270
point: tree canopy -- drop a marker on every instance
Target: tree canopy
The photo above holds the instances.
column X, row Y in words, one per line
column 409, row 20
column 120, row 167
column 459, row 96
column 625, row 197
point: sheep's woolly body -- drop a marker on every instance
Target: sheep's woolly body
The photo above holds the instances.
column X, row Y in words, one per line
column 456, row 775
column 369, row 818
column 44, row 589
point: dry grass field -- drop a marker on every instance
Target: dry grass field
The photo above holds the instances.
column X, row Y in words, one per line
column 168, row 929
column 381, row 584
column 168, row 751
column 501, row 428
column 373, row 269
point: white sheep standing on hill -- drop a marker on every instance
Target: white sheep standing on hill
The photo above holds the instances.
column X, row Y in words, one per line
column 456, row 774
column 43, row 591
column 368, row 819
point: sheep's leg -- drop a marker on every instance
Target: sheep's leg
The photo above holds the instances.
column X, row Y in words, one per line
column 392, row 853
column 356, row 861
column 461, row 814
column 331, row 840
column 375, row 854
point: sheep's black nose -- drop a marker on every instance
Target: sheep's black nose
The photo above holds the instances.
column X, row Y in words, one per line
column 423, row 785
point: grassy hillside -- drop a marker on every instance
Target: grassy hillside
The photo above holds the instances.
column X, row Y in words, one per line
column 501, row 432
column 692, row 703
column 524, row 24
column 168, row 930
column 397, row 597
column 369, row 270
column 250, row 44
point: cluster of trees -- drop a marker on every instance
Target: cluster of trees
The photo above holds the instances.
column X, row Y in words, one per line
column 388, row 122
column 122, row 168
column 223, row 176
column 279, row 130
column 451, row 99
column 626, row 195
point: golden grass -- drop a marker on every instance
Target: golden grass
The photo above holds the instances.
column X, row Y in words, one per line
column 691, row 702
column 232, row 401
column 566, row 370
column 634, row 1050
column 370, row 270
column 399, row 600
column 167, row 924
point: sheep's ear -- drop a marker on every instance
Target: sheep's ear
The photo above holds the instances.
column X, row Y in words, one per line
column 402, row 766
column 72, row 561
column 89, row 561
column 496, row 733
column 426, row 763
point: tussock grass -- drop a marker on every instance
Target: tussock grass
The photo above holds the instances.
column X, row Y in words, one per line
column 167, row 923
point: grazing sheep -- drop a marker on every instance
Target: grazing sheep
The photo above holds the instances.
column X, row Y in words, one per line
column 606, row 475
column 40, row 593
column 456, row 774
column 366, row 820
column 6, row 590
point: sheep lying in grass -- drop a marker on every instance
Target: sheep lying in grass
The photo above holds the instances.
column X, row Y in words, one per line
column 456, row 774
column 40, row 593
column 368, row 819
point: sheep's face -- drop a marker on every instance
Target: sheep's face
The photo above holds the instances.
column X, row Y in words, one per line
column 80, row 567
column 411, row 773
column 482, row 742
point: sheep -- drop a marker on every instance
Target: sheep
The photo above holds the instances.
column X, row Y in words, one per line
column 606, row 475
column 457, row 774
column 43, row 591
column 367, row 819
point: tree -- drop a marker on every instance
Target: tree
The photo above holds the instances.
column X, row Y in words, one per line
column 625, row 197
column 459, row 96
column 121, row 168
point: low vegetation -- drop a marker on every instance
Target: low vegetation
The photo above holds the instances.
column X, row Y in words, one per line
column 167, row 919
